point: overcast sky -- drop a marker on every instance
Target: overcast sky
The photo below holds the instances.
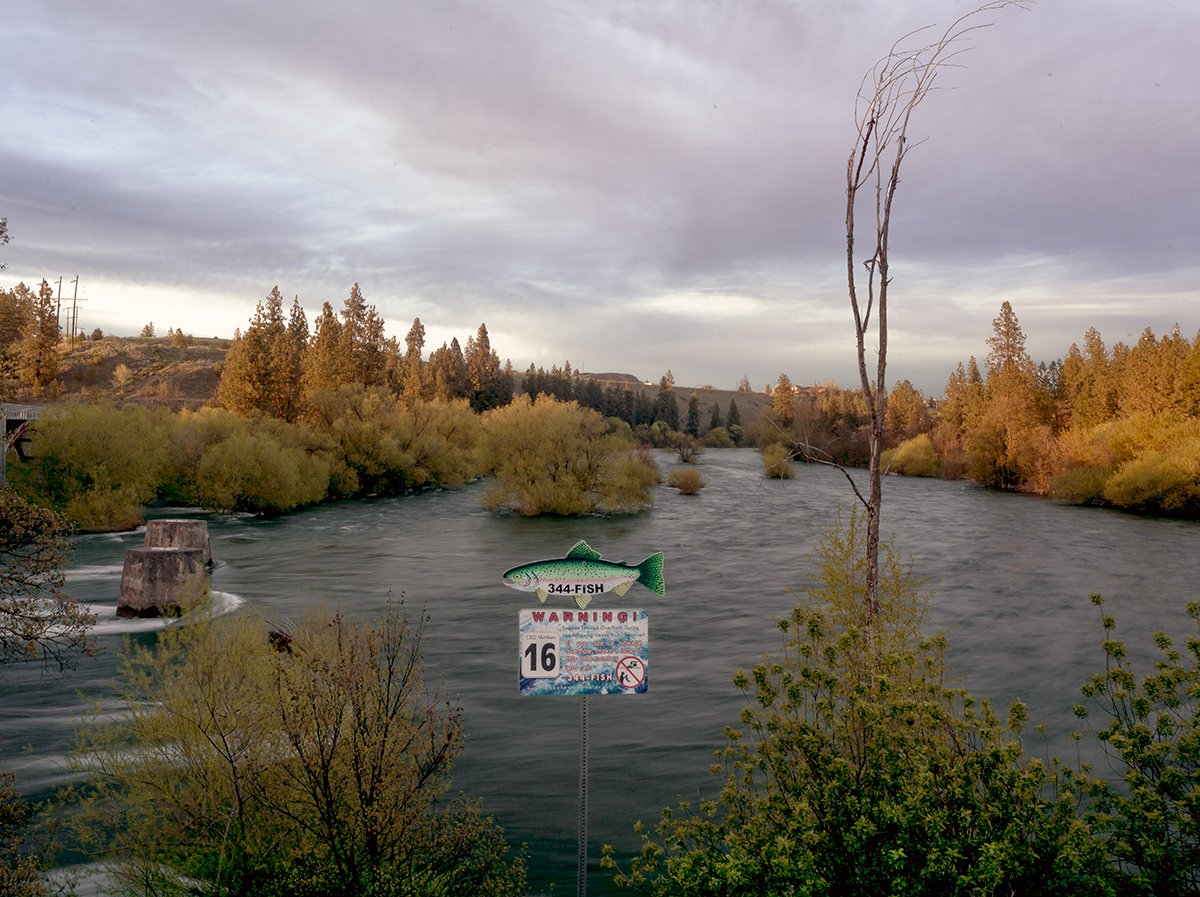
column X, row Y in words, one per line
column 628, row 185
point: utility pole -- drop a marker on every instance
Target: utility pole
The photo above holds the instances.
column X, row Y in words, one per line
column 75, row 311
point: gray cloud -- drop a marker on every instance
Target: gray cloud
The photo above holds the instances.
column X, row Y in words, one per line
column 629, row 185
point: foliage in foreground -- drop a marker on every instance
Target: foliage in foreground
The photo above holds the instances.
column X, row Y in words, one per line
column 1151, row 734
column 552, row 457
column 20, row 869
column 38, row 617
column 855, row 770
column 321, row 768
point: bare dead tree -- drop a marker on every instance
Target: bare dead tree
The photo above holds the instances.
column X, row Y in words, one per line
column 887, row 98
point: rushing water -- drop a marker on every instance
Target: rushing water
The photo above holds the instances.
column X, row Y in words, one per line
column 1009, row 578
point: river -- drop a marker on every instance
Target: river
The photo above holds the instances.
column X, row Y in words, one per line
column 1009, row 578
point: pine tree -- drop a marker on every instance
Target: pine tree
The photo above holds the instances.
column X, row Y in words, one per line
column 714, row 419
column 1007, row 342
column 733, row 417
column 906, row 414
column 783, row 402
column 666, row 409
column 488, row 386
column 415, row 378
column 261, row 367
column 322, row 359
column 692, row 421
column 363, row 355
column 39, row 344
column 16, row 315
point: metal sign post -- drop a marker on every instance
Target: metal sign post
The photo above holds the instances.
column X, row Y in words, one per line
column 583, row 652
column 581, row 888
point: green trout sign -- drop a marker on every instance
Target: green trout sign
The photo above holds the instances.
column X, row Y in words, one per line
column 582, row 652
column 583, row 574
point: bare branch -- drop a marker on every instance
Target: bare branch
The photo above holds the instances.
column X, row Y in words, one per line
column 887, row 97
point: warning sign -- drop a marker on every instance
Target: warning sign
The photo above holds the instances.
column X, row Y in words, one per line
column 583, row 652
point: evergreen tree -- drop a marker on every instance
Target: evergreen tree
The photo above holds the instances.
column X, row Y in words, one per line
column 16, row 315
column 448, row 372
column 643, row 408
column 666, row 408
column 783, row 402
column 733, row 417
column 488, row 386
column 39, row 344
column 260, row 372
column 361, row 342
column 692, row 424
column 292, row 348
column 906, row 412
column 322, row 359
column 714, row 419
column 1007, row 342
column 415, row 383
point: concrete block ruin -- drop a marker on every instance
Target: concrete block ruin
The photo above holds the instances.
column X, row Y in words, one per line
column 169, row 572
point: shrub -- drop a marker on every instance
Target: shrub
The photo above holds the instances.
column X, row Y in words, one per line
column 914, row 457
column 320, row 768
column 1166, row 482
column 552, row 457
column 386, row 447
column 228, row 463
column 687, row 448
column 777, row 462
column 98, row 464
column 21, row 870
column 1151, row 736
column 718, row 437
column 855, row 770
column 687, row 480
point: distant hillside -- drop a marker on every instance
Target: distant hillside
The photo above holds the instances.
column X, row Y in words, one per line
column 150, row 371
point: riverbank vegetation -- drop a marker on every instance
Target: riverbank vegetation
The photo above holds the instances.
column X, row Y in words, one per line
column 340, row 411
column 1117, row 427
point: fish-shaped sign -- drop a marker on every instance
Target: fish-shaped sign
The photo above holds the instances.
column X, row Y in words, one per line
column 583, row 574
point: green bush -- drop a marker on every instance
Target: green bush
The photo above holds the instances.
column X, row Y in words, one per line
column 855, row 770
column 383, row 446
column 914, row 457
column 1151, row 735
column 229, row 463
column 552, row 457
column 98, row 464
column 777, row 461
column 718, row 437
column 1166, row 482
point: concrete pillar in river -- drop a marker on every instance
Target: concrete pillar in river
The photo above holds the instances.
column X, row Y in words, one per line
column 179, row 534
column 161, row 581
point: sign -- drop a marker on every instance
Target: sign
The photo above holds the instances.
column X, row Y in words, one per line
column 583, row 574
column 583, row 652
